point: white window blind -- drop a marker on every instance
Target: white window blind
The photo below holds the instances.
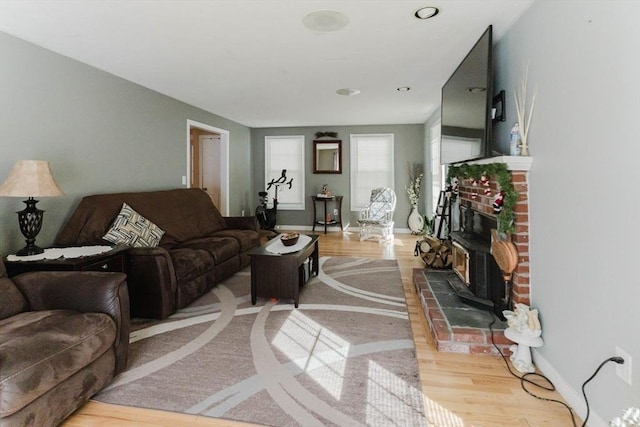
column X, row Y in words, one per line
column 437, row 170
column 371, row 166
column 285, row 152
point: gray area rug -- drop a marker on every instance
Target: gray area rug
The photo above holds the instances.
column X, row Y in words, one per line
column 345, row 357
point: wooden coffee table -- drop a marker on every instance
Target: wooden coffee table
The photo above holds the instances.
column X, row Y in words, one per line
column 281, row 275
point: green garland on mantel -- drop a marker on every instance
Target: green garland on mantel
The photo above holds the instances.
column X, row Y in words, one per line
column 506, row 216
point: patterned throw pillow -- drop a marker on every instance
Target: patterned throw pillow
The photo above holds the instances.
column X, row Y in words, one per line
column 132, row 229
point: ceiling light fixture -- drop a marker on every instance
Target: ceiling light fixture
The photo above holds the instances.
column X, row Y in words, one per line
column 403, row 89
column 348, row 91
column 325, row 21
column 476, row 89
column 426, row 12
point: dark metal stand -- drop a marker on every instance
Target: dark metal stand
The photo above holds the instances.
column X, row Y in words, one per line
column 443, row 211
column 266, row 217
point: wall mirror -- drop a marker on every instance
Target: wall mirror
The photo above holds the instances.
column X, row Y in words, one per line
column 327, row 156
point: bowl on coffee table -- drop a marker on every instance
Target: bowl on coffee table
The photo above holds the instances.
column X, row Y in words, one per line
column 289, row 239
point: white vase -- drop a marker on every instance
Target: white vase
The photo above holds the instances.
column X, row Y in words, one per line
column 415, row 221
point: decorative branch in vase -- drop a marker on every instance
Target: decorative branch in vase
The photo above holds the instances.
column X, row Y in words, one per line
column 415, row 220
column 520, row 95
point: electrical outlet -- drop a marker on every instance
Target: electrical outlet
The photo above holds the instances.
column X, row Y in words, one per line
column 624, row 370
column 335, row 212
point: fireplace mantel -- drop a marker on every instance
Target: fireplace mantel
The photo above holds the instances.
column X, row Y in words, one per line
column 514, row 163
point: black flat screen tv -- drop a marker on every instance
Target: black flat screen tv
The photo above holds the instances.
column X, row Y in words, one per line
column 467, row 102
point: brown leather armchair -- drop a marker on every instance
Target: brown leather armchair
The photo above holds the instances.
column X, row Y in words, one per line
column 63, row 337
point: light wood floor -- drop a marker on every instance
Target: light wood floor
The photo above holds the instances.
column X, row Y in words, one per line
column 459, row 390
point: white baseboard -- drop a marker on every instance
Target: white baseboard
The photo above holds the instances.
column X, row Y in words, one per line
column 573, row 397
column 335, row 228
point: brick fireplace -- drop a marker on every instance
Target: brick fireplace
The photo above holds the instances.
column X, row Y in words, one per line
column 456, row 334
column 519, row 168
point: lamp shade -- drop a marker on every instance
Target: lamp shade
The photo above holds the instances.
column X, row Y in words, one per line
column 30, row 178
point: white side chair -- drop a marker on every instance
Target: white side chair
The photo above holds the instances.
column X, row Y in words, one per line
column 376, row 219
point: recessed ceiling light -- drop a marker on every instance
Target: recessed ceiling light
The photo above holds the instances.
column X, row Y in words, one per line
column 325, row 20
column 477, row 89
column 403, row 89
column 348, row 91
column 426, row 12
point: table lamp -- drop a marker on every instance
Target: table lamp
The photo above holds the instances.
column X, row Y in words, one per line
column 30, row 178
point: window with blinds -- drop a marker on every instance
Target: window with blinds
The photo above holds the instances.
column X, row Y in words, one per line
column 437, row 170
column 371, row 166
column 285, row 153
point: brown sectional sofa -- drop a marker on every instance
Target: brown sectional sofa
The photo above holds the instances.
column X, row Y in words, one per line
column 199, row 247
column 63, row 337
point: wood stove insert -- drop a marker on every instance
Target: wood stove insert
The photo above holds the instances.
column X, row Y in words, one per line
column 481, row 283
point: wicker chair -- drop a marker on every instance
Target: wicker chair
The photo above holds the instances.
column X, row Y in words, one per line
column 376, row 219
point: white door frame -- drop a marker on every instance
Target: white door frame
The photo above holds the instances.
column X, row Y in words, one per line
column 224, row 161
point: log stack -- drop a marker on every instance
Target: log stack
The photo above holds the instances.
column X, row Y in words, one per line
column 435, row 253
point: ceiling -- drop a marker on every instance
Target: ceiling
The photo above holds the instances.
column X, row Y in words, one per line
column 255, row 62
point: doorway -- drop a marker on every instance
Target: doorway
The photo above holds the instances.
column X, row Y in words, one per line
column 207, row 162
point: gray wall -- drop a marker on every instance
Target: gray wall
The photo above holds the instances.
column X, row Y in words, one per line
column 585, row 143
column 408, row 146
column 99, row 132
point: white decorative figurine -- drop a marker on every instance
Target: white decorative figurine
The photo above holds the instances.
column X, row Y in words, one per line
column 524, row 329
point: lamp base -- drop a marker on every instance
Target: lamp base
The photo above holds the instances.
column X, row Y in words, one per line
column 30, row 250
column 30, row 221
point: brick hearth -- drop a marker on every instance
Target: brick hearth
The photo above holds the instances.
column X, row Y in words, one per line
column 455, row 326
